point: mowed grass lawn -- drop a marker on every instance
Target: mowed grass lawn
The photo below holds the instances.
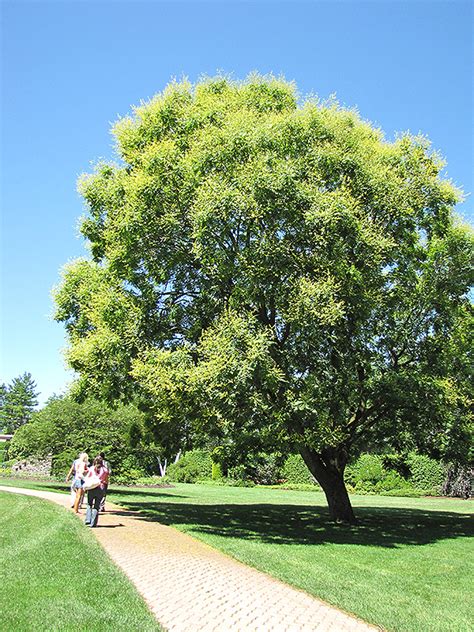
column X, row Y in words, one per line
column 408, row 565
column 55, row 575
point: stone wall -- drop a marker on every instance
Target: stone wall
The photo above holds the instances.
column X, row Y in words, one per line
column 32, row 467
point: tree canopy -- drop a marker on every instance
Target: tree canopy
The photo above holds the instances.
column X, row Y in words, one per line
column 271, row 270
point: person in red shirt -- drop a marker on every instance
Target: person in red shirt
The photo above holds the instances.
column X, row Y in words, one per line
column 95, row 484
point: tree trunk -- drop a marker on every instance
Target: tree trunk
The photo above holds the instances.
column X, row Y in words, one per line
column 162, row 467
column 329, row 472
column 340, row 508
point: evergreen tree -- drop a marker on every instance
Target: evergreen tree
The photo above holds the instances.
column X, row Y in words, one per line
column 3, row 393
column 17, row 402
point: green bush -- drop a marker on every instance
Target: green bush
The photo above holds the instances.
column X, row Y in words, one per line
column 153, row 481
column 216, row 471
column 397, row 462
column 392, row 481
column 266, row 469
column 395, row 475
column 131, row 478
column 237, row 473
column 260, row 468
column 129, row 472
column 425, row 473
column 368, row 475
column 61, row 463
column 407, row 492
column 191, row 467
column 366, row 472
column 240, row 482
column 295, row 470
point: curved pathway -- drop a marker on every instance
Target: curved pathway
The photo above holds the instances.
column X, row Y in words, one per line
column 191, row 587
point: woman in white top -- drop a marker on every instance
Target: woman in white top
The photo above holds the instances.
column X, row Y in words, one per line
column 82, row 465
column 72, row 474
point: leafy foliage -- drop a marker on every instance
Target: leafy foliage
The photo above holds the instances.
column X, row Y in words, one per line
column 64, row 427
column 216, row 471
column 259, row 468
column 191, row 467
column 277, row 275
column 367, row 469
column 392, row 474
column 425, row 473
column 3, row 452
column 368, row 474
column 294, row 470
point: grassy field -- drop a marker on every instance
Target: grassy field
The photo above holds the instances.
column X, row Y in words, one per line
column 408, row 565
column 55, row 576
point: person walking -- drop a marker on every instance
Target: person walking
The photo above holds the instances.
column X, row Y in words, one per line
column 72, row 474
column 81, row 469
column 96, row 479
column 106, row 486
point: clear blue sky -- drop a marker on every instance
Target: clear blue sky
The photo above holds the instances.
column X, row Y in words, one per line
column 71, row 68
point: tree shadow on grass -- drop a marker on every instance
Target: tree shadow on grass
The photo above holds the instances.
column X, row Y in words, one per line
column 40, row 484
column 157, row 492
column 62, row 486
column 290, row 524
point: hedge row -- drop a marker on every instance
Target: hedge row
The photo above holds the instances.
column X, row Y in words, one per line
column 412, row 475
column 371, row 474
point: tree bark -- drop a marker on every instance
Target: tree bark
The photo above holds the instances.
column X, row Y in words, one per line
column 162, row 467
column 329, row 472
column 340, row 508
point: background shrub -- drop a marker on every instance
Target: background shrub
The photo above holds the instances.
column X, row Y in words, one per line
column 260, row 469
column 240, row 482
column 295, row 470
column 366, row 472
column 191, row 467
column 130, row 471
column 61, row 463
column 237, row 473
column 368, row 475
column 390, row 481
column 216, row 471
column 425, row 473
column 397, row 462
column 3, row 452
column 266, row 469
column 408, row 492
